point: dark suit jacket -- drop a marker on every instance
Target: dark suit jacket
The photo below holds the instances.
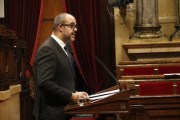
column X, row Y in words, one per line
column 55, row 81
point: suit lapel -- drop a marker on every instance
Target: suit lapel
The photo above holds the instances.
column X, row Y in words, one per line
column 64, row 54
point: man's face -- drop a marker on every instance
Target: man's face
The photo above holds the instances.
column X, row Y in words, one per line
column 69, row 29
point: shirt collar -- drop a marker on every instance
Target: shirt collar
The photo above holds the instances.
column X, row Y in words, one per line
column 59, row 41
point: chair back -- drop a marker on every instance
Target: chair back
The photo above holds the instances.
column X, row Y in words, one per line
column 156, row 88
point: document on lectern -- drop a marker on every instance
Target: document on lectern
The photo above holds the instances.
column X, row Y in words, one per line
column 172, row 75
column 103, row 95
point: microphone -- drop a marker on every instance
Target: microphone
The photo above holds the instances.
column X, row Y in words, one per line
column 105, row 67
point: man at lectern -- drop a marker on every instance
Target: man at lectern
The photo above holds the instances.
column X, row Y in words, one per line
column 55, row 76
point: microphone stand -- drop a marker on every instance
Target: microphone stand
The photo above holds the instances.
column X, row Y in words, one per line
column 105, row 67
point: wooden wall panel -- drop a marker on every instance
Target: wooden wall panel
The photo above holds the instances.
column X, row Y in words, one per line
column 46, row 30
column 51, row 9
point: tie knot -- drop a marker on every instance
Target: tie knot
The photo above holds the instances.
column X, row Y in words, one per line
column 65, row 48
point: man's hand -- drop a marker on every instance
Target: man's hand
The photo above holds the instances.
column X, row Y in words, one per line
column 80, row 94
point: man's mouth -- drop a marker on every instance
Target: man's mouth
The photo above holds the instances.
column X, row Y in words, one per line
column 74, row 34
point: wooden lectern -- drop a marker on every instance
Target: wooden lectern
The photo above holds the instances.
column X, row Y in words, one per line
column 117, row 103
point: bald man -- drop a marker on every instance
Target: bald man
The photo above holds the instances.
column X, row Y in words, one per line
column 55, row 77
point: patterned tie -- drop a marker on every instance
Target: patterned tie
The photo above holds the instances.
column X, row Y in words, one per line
column 67, row 50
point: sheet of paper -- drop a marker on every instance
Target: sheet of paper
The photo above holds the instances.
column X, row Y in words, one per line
column 101, row 97
column 172, row 74
column 104, row 93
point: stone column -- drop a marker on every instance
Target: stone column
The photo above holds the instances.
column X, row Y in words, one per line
column 147, row 23
column 176, row 35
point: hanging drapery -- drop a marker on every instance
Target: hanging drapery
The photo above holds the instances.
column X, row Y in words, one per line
column 95, row 37
column 38, row 32
column 25, row 18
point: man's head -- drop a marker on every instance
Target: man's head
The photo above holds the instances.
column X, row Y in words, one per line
column 65, row 27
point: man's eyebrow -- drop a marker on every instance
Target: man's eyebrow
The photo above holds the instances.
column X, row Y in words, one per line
column 72, row 23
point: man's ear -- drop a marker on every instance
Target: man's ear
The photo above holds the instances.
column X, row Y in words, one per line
column 60, row 27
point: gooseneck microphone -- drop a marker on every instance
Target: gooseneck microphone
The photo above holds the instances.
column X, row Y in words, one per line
column 105, row 67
